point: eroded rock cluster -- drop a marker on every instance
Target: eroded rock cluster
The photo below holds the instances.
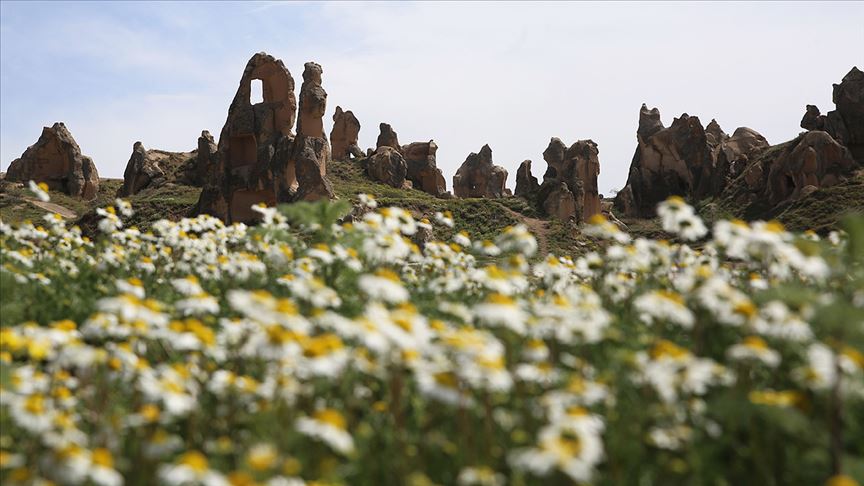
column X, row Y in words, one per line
column 829, row 151
column 569, row 189
column 478, row 176
column 687, row 160
column 684, row 159
column 344, row 136
column 56, row 160
column 404, row 166
column 154, row 168
column 258, row 158
column 845, row 124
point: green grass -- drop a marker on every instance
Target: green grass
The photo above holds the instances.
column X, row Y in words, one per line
column 822, row 210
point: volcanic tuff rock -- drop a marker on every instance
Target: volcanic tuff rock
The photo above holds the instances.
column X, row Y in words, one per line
column 423, row 171
column 56, row 160
column 388, row 166
column 387, row 137
column 153, row 168
column 526, row 184
column 479, row 177
column 569, row 188
column 846, row 123
column 558, row 201
column 684, row 159
column 813, row 159
column 259, row 160
column 206, row 156
column 344, row 136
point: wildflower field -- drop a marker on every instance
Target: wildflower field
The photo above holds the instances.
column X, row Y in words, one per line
column 316, row 348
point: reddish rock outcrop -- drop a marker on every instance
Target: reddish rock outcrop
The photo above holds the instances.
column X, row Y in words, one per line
column 479, row 177
column 422, row 168
column 569, row 188
column 387, row 166
column 154, row 168
column 258, row 158
column 558, row 201
column 56, row 160
column 792, row 170
column 684, row 159
column 526, row 184
column 206, row 156
column 344, row 136
column 845, row 124
column 387, row 137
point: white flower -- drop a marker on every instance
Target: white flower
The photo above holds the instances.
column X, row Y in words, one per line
column 40, row 190
column 328, row 425
column 367, row 200
column 383, row 286
column 574, row 448
column 754, row 348
column 662, row 305
column 191, row 468
column 480, row 476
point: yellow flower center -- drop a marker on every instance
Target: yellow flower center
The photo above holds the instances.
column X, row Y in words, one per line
column 102, row 457
column 331, row 417
column 194, row 460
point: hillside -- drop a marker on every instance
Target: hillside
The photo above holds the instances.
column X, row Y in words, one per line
column 481, row 218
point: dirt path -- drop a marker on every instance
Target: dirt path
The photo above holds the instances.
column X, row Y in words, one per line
column 54, row 208
column 537, row 227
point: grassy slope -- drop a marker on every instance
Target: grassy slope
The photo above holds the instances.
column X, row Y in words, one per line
column 481, row 218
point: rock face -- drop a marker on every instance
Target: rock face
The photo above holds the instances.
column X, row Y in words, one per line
column 411, row 165
column 387, row 137
column 388, row 166
column 479, row 177
column 569, row 188
column 846, row 123
column 206, row 156
column 684, row 159
column 154, row 168
column 794, row 169
column 259, row 159
column 56, row 160
column 344, row 136
column 526, row 184
column 558, row 201
column 422, row 168
column 829, row 152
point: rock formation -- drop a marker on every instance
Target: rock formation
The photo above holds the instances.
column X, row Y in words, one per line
column 411, row 165
column 684, row 159
column 206, row 156
column 56, row 160
column 526, row 184
column 344, row 136
column 558, row 201
column 830, row 151
column 259, row 159
column 423, row 171
column 794, row 169
column 569, row 188
column 479, row 177
column 387, row 137
column 154, row 168
column 388, row 166
column 845, row 124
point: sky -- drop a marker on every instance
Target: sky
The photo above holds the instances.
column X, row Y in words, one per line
column 511, row 75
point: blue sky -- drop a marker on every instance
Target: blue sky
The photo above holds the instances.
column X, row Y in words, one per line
column 508, row 74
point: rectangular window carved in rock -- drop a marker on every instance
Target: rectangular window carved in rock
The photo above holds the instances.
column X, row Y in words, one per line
column 256, row 93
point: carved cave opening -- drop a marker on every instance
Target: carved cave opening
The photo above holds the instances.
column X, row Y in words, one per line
column 242, row 150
